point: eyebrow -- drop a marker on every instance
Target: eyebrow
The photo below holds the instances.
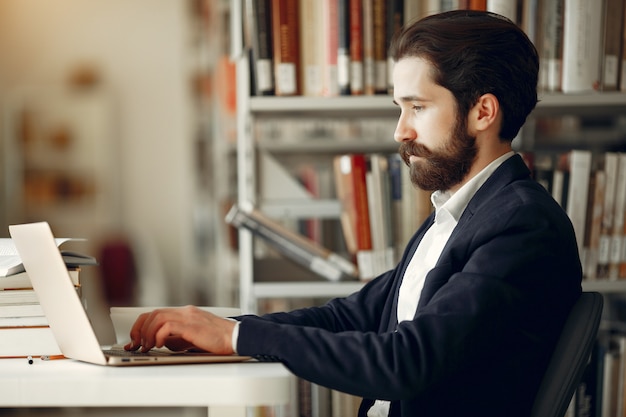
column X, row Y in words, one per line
column 408, row 99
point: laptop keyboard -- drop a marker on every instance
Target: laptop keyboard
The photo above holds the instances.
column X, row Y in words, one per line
column 121, row 352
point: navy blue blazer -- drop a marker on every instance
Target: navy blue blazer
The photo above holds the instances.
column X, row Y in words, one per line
column 487, row 320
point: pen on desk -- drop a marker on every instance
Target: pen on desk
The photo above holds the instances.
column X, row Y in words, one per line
column 51, row 357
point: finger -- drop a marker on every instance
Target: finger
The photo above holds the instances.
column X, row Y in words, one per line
column 135, row 333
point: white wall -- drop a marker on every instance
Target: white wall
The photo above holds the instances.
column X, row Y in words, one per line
column 142, row 49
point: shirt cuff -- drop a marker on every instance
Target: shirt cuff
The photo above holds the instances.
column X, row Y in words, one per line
column 235, row 336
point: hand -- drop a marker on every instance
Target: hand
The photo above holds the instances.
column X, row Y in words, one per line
column 182, row 328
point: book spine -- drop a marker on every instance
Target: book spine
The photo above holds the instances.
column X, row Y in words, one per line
column 380, row 46
column 580, row 171
column 356, row 47
column 604, row 250
column 551, row 45
column 506, row 8
column 331, row 47
column 395, row 20
column 617, row 239
column 260, row 25
column 478, row 4
column 343, row 47
column 311, row 48
column 597, row 190
column 369, row 64
column 612, row 50
column 286, row 44
column 581, row 46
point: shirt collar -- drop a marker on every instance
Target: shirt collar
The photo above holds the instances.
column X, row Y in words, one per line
column 454, row 203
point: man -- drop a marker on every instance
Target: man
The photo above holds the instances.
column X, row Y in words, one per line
column 466, row 322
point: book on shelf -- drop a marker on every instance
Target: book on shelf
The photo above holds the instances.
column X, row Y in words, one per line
column 613, row 20
column 610, row 167
column 259, row 35
column 506, row 8
column 293, row 245
column 311, row 48
column 330, row 29
column 395, row 21
column 622, row 77
column 286, row 46
column 356, row 47
column 616, row 257
column 369, row 63
column 343, row 47
column 550, row 41
column 10, row 262
column 595, row 205
column 378, row 185
column 350, row 179
column 582, row 46
column 579, row 166
column 379, row 39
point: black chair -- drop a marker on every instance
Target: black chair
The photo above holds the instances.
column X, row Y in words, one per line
column 570, row 357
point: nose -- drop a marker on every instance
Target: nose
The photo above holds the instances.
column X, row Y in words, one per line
column 404, row 131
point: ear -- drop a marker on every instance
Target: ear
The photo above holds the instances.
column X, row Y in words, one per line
column 485, row 114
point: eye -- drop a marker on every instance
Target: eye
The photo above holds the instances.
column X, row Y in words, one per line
column 417, row 107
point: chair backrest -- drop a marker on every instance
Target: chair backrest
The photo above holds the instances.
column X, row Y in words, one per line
column 570, row 357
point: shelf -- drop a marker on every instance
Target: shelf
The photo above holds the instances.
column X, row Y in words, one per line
column 297, row 209
column 605, row 286
column 306, row 289
column 595, row 102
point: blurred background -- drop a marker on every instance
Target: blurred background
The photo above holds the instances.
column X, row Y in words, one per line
column 117, row 126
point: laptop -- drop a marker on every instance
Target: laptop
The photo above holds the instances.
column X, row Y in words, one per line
column 66, row 316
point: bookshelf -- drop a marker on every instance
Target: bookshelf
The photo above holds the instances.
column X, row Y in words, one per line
column 251, row 147
column 550, row 104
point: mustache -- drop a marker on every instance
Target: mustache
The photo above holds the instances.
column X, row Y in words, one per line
column 407, row 149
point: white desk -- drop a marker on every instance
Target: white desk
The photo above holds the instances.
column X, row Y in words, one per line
column 68, row 383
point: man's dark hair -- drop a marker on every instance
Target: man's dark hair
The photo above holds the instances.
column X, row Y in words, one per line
column 476, row 53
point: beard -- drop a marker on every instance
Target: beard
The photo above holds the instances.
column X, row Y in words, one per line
column 443, row 168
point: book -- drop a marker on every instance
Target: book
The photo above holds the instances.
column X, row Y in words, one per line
column 286, row 47
column 612, row 44
column 330, row 30
column 27, row 341
column 579, row 164
column 379, row 204
column 343, row 47
column 582, row 46
column 608, row 211
column 293, row 245
column 617, row 235
column 395, row 21
column 350, row 178
column 10, row 262
column 369, row 63
column 311, row 48
column 597, row 190
column 506, row 8
column 356, row 47
column 259, row 24
column 379, row 39
column 550, row 38
column 21, row 280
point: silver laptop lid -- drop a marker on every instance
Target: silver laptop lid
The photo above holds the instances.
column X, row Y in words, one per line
column 58, row 297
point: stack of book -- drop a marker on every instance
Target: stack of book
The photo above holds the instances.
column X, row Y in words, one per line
column 24, row 329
